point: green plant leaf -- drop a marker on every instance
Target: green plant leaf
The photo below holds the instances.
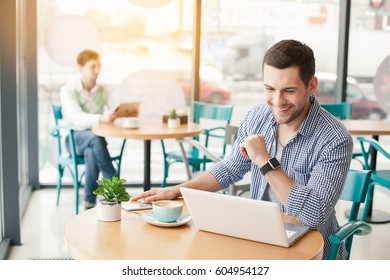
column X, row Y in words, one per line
column 112, row 190
column 173, row 114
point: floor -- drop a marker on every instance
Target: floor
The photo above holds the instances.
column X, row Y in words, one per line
column 43, row 226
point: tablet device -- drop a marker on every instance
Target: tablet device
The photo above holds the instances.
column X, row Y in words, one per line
column 129, row 109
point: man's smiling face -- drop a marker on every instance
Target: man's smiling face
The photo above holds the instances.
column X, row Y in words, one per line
column 286, row 94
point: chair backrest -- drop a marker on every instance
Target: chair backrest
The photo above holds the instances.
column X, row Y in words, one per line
column 57, row 111
column 366, row 145
column 355, row 190
column 58, row 133
column 341, row 110
column 230, row 137
column 212, row 111
column 230, row 134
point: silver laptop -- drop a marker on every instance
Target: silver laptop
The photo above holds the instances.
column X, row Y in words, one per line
column 241, row 217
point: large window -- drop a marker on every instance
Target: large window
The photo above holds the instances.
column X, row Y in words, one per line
column 368, row 50
column 143, row 47
column 144, row 42
column 146, row 56
column 236, row 34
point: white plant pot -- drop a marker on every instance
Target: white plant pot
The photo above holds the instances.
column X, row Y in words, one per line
column 173, row 123
column 109, row 212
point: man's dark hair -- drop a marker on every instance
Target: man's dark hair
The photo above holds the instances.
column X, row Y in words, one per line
column 288, row 53
column 86, row 56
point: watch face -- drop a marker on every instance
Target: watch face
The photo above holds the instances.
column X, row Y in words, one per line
column 274, row 162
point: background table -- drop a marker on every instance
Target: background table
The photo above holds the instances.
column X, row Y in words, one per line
column 132, row 238
column 148, row 130
column 373, row 128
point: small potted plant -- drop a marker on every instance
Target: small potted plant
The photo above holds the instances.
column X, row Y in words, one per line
column 109, row 207
column 173, row 119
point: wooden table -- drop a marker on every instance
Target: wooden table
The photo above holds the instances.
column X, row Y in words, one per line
column 148, row 130
column 134, row 239
column 373, row 128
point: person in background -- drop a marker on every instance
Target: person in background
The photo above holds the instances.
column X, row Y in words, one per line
column 299, row 154
column 85, row 103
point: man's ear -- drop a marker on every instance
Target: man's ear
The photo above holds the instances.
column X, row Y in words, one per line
column 313, row 85
column 80, row 67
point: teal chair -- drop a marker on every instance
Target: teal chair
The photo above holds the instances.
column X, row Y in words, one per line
column 72, row 161
column 196, row 160
column 378, row 177
column 343, row 111
column 355, row 190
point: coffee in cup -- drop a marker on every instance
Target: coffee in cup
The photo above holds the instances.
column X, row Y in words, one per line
column 167, row 211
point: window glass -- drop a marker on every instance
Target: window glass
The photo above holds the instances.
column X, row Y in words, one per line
column 146, row 55
column 1, row 202
column 156, row 43
column 369, row 57
column 236, row 34
column 354, row 93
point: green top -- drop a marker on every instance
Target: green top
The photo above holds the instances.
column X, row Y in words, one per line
column 99, row 99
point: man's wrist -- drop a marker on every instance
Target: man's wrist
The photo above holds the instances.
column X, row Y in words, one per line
column 271, row 164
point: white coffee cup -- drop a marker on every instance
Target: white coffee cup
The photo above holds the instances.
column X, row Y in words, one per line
column 130, row 122
column 167, row 211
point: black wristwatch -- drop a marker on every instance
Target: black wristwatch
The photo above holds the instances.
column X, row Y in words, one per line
column 272, row 163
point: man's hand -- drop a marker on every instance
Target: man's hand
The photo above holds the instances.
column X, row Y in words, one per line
column 255, row 149
column 133, row 112
column 158, row 194
column 108, row 118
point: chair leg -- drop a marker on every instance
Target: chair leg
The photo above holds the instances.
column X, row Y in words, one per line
column 370, row 193
column 166, row 170
column 118, row 170
column 119, row 161
column 232, row 190
column 59, row 183
column 76, row 183
column 76, row 190
column 196, row 167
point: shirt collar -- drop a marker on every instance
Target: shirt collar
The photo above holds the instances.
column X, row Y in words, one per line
column 308, row 124
column 79, row 87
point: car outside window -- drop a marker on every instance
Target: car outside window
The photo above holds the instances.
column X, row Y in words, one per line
column 354, row 93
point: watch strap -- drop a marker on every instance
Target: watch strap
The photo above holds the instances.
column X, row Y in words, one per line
column 272, row 163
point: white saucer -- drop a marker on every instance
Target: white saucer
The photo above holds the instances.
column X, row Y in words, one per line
column 130, row 126
column 148, row 216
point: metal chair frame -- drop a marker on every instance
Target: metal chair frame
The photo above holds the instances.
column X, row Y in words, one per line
column 72, row 161
column 355, row 190
column 201, row 110
column 238, row 188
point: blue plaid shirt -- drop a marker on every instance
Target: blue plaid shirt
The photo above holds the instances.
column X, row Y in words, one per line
column 316, row 158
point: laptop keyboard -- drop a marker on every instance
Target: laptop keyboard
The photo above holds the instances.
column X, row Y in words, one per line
column 290, row 233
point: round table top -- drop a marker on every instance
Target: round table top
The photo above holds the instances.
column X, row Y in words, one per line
column 133, row 238
column 148, row 130
column 367, row 127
